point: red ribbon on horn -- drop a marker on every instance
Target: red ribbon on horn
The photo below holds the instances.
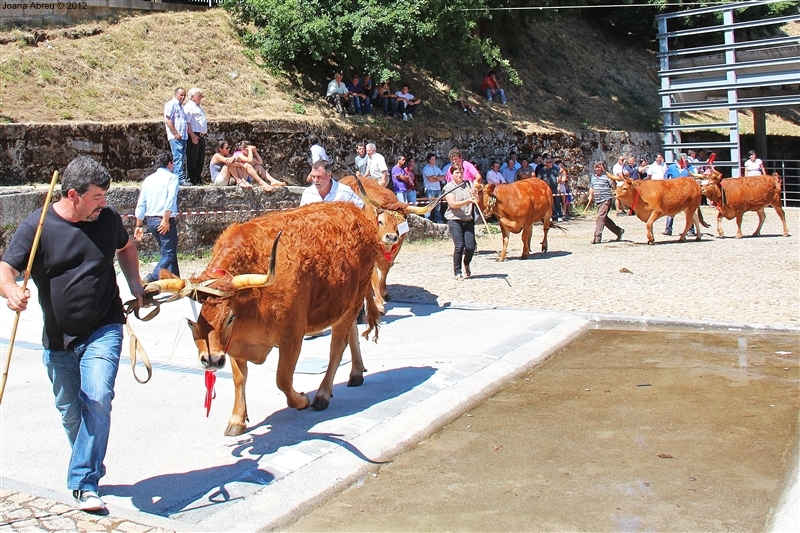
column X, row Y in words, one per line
column 211, row 378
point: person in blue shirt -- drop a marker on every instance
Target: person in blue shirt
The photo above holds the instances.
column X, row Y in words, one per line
column 678, row 169
column 362, row 102
column 158, row 206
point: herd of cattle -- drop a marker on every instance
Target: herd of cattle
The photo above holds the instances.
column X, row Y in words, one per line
column 324, row 260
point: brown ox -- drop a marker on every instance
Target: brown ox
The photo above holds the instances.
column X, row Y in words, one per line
column 653, row 199
column 390, row 213
column 732, row 197
column 517, row 206
column 319, row 276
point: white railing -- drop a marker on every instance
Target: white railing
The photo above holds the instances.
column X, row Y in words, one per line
column 789, row 169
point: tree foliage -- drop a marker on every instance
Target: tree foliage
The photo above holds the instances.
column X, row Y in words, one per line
column 313, row 37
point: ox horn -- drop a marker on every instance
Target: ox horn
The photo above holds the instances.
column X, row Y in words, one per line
column 365, row 196
column 252, row 281
column 425, row 210
column 173, row 285
column 696, row 175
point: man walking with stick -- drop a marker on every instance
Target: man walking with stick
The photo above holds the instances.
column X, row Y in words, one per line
column 73, row 269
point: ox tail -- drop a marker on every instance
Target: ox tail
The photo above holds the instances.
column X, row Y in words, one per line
column 554, row 225
column 778, row 182
column 700, row 216
column 373, row 317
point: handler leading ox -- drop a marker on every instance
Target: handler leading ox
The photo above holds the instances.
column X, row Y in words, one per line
column 653, row 199
column 517, row 206
column 390, row 215
column 319, row 276
column 732, row 197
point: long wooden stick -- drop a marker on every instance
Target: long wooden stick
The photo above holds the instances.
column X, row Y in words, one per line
column 32, row 256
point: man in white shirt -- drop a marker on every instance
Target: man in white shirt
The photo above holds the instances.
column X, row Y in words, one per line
column 433, row 177
column 658, row 169
column 376, row 166
column 317, row 151
column 494, row 175
column 337, row 95
column 178, row 130
column 406, row 103
column 324, row 188
column 196, row 147
column 157, row 207
column 617, row 168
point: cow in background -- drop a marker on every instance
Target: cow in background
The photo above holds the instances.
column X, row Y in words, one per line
column 517, row 206
column 317, row 277
column 733, row 197
column 390, row 215
column 653, row 199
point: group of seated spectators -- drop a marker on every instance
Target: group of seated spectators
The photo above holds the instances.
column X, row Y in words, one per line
column 361, row 95
column 242, row 166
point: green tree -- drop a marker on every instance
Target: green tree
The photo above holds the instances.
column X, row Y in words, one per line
column 313, row 37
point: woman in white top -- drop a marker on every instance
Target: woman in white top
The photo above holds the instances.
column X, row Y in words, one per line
column 753, row 166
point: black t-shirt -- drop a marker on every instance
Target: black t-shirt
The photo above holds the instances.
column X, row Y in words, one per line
column 550, row 176
column 74, row 272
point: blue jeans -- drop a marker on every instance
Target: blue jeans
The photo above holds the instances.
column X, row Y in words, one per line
column 179, row 160
column 401, row 196
column 490, row 92
column 436, row 213
column 168, row 243
column 389, row 105
column 83, row 383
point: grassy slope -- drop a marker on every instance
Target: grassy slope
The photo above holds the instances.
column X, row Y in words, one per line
column 575, row 77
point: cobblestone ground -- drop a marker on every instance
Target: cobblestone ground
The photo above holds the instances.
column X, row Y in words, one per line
column 749, row 280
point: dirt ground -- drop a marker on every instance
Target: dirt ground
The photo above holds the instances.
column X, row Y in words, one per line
column 648, row 430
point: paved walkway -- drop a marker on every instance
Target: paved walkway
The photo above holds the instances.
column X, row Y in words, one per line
column 170, row 467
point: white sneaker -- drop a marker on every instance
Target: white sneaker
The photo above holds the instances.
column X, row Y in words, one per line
column 410, row 116
column 88, row 500
column 405, row 117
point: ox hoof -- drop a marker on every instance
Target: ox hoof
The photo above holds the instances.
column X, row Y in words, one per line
column 234, row 429
column 651, row 243
column 355, row 381
column 319, row 403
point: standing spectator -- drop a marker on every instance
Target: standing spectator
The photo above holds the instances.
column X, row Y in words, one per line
column 388, row 99
column 196, row 147
column 158, row 206
column 563, row 190
column 525, row 171
column 317, row 151
column 362, row 102
column 411, row 175
column 617, row 168
column 658, row 169
column 433, row 178
column 83, row 315
column 400, row 183
column 361, row 160
column 600, row 191
column 324, row 188
column 678, row 169
column 753, row 166
column 376, row 167
column 509, row 171
column 338, row 96
column 460, row 197
column 643, row 168
column 469, row 172
column 177, row 132
column 494, row 175
column 406, row 103
column 549, row 174
column 491, row 87
column 630, row 169
column 513, row 155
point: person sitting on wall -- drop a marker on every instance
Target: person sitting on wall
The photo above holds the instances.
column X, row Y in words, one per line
column 225, row 169
column 338, row 96
column 247, row 153
column 360, row 99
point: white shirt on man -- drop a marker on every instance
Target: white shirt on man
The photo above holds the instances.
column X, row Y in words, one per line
column 494, row 177
column 656, row 171
column 376, row 166
column 339, row 193
column 336, row 87
column 318, row 153
column 196, row 117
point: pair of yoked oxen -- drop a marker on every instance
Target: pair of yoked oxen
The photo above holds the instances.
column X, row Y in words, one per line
column 324, row 260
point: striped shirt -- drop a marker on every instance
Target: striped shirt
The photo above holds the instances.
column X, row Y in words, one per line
column 602, row 188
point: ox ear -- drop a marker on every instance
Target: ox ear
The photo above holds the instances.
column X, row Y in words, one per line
column 251, row 281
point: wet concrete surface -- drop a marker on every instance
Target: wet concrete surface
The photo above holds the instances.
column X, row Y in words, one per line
column 624, row 430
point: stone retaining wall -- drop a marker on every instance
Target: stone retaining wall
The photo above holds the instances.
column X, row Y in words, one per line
column 29, row 153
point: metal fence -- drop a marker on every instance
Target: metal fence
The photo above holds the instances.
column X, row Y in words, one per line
column 789, row 169
column 209, row 3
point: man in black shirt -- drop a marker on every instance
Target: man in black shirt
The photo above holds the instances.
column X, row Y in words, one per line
column 73, row 269
column 548, row 172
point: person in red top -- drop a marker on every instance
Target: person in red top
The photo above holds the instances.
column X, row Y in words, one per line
column 491, row 87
